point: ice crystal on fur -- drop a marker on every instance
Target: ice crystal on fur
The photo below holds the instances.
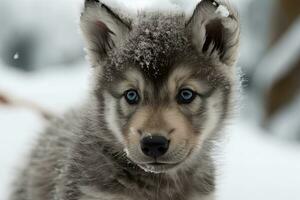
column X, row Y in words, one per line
column 154, row 39
column 16, row 56
column 222, row 11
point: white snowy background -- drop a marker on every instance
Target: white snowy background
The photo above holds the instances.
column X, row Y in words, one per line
column 254, row 165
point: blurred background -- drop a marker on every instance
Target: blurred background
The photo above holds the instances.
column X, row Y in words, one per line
column 43, row 71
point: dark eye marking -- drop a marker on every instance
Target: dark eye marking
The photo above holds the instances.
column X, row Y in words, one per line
column 132, row 96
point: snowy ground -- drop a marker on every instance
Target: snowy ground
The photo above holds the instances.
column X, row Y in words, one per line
column 252, row 166
column 55, row 90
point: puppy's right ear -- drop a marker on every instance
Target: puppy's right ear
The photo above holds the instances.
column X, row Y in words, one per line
column 103, row 29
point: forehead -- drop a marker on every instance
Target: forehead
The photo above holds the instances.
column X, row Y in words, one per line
column 156, row 47
column 157, row 40
column 155, row 43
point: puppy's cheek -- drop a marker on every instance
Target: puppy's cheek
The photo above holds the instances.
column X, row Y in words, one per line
column 210, row 123
column 213, row 115
column 193, row 109
column 111, row 116
column 206, row 125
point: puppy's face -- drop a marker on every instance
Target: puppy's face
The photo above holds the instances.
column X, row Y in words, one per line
column 163, row 125
column 165, row 81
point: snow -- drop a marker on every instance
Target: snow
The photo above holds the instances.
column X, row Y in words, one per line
column 18, row 129
column 16, row 56
column 257, row 166
column 222, row 11
column 56, row 90
column 51, row 88
column 166, row 5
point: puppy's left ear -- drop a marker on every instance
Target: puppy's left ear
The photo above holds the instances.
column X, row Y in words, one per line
column 216, row 30
column 103, row 30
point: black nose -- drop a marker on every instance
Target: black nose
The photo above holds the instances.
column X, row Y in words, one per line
column 154, row 146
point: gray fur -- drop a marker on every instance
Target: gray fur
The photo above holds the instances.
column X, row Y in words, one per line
column 79, row 156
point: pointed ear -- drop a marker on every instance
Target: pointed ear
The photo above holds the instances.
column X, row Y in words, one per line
column 103, row 29
column 216, row 30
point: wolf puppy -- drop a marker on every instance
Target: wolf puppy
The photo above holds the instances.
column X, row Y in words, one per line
column 163, row 86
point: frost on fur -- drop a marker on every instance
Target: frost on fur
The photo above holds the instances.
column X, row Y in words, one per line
column 103, row 29
column 215, row 27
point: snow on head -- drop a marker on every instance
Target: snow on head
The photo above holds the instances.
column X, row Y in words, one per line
column 154, row 5
column 153, row 45
column 222, row 11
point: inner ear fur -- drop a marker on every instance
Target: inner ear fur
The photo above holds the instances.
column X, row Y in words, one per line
column 103, row 29
column 214, row 33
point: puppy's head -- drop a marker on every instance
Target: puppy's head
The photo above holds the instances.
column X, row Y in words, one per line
column 164, row 82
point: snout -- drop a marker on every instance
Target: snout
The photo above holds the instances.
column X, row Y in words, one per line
column 154, row 146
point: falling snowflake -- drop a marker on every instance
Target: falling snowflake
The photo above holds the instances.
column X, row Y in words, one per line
column 16, row 56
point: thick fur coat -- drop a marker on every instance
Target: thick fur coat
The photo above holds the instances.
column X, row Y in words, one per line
column 161, row 60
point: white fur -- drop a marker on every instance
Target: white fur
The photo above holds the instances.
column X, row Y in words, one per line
column 214, row 108
column 222, row 11
column 110, row 116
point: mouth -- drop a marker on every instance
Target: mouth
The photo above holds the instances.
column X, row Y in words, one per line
column 157, row 167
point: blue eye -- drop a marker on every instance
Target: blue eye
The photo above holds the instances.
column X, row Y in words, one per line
column 186, row 96
column 132, row 96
